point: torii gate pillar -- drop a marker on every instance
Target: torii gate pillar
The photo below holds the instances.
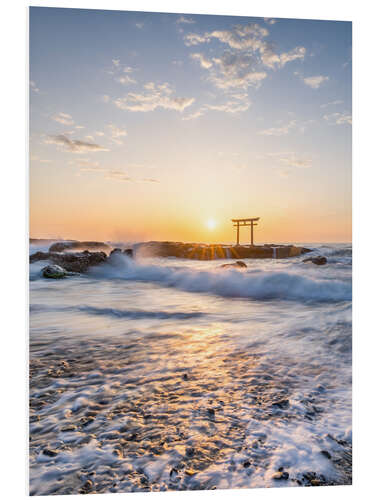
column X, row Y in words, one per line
column 250, row 221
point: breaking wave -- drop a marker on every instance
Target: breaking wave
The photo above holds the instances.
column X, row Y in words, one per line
column 254, row 284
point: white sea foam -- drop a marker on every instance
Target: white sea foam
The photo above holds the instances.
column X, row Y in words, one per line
column 257, row 284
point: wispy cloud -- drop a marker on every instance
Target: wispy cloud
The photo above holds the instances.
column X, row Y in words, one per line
column 63, row 118
column 185, row 20
column 248, row 56
column 269, row 20
column 203, row 61
column 73, row 146
column 332, row 103
column 125, row 80
column 117, row 133
column 278, row 131
column 139, row 25
column 339, row 118
column 236, row 103
column 154, row 96
column 315, row 81
column 34, row 87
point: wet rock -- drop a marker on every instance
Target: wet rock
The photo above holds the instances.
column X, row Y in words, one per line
column 50, row 453
column 62, row 246
column 69, row 428
column 54, row 272
column 128, row 252
column 78, row 262
column 282, row 404
column 281, row 475
column 211, row 412
column 319, row 260
column 190, row 452
column 115, row 251
column 87, row 487
column 238, row 264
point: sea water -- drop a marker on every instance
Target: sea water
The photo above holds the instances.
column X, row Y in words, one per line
column 161, row 373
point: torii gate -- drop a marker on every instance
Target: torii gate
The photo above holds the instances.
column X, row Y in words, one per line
column 245, row 222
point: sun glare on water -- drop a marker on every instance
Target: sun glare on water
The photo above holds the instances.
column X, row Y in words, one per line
column 211, row 224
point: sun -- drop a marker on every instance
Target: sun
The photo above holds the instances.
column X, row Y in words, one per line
column 211, row 224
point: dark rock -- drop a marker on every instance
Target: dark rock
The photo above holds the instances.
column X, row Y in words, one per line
column 246, row 464
column 281, row 476
column 237, row 264
column 282, row 404
column 211, row 412
column 50, row 453
column 185, row 376
column 326, row 454
column 69, row 428
column 61, row 246
column 114, row 251
column 87, row 486
column 128, row 252
column 77, row 262
column 38, row 256
column 54, row 272
column 319, row 260
column 190, row 452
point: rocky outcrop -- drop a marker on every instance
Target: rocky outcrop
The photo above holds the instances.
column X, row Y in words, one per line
column 319, row 260
column 76, row 262
column 62, row 246
column 200, row 251
column 55, row 272
column 128, row 252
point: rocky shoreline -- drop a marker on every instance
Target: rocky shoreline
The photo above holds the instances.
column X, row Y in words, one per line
column 69, row 257
column 179, row 429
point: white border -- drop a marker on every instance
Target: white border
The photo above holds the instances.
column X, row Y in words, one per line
column 14, row 227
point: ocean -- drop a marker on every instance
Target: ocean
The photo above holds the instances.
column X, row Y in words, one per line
column 162, row 374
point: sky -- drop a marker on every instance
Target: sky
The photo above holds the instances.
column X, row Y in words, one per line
column 147, row 126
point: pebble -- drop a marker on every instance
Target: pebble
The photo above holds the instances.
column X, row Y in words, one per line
column 50, row 453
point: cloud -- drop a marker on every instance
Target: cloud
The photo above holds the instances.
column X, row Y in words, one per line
column 278, row 131
column 243, row 64
column 196, row 114
column 204, row 62
column 242, row 36
column 148, row 179
column 236, row 103
column 63, row 118
column 185, row 20
column 118, row 175
column 139, row 25
column 34, row 87
column 290, row 160
column 73, row 146
column 332, row 103
column 315, row 81
column 155, row 96
column 339, row 118
column 268, row 20
column 125, row 80
column 116, row 133
column 85, row 163
column 236, row 70
column 296, row 162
